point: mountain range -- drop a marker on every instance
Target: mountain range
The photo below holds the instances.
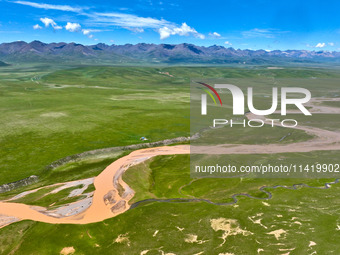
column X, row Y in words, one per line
column 184, row 53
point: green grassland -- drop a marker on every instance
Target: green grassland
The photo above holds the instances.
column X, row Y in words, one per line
column 332, row 104
column 41, row 124
column 51, row 112
column 248, row 135
column 304, row 219
column 48, row 113
column 323, row 121
column 169, row 177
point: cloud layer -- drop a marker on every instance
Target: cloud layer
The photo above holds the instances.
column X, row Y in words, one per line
column 215, row 35
column 72, row 27
column 50, row 22
column 183, row 30
column 127, row 21
column 50, row 6
column 262, row 32
column 37, row 26
column 320, row 45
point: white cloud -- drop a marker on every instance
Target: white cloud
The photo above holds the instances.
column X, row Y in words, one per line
column 35, row 27
column 131, row 22
column 266, row 33
column 164, row 32
column 50, row 22
column 139, row 24
column 183, row 30
column 47, row 22
column 320, row 45
column 72, row 27
column 126, row 20
column 228, row 43
column 135, row 29
column 201, row 36
column 86, row 31
column 91, row 30
column 50, row 6
column 215, row 34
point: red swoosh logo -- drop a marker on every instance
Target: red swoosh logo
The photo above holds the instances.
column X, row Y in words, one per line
column 213, row 90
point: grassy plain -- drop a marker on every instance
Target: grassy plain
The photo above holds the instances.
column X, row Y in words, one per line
column 300, row 221
column 52, row 112
column 48, row 114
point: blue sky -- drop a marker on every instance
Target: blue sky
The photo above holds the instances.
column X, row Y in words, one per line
column 269, row 25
